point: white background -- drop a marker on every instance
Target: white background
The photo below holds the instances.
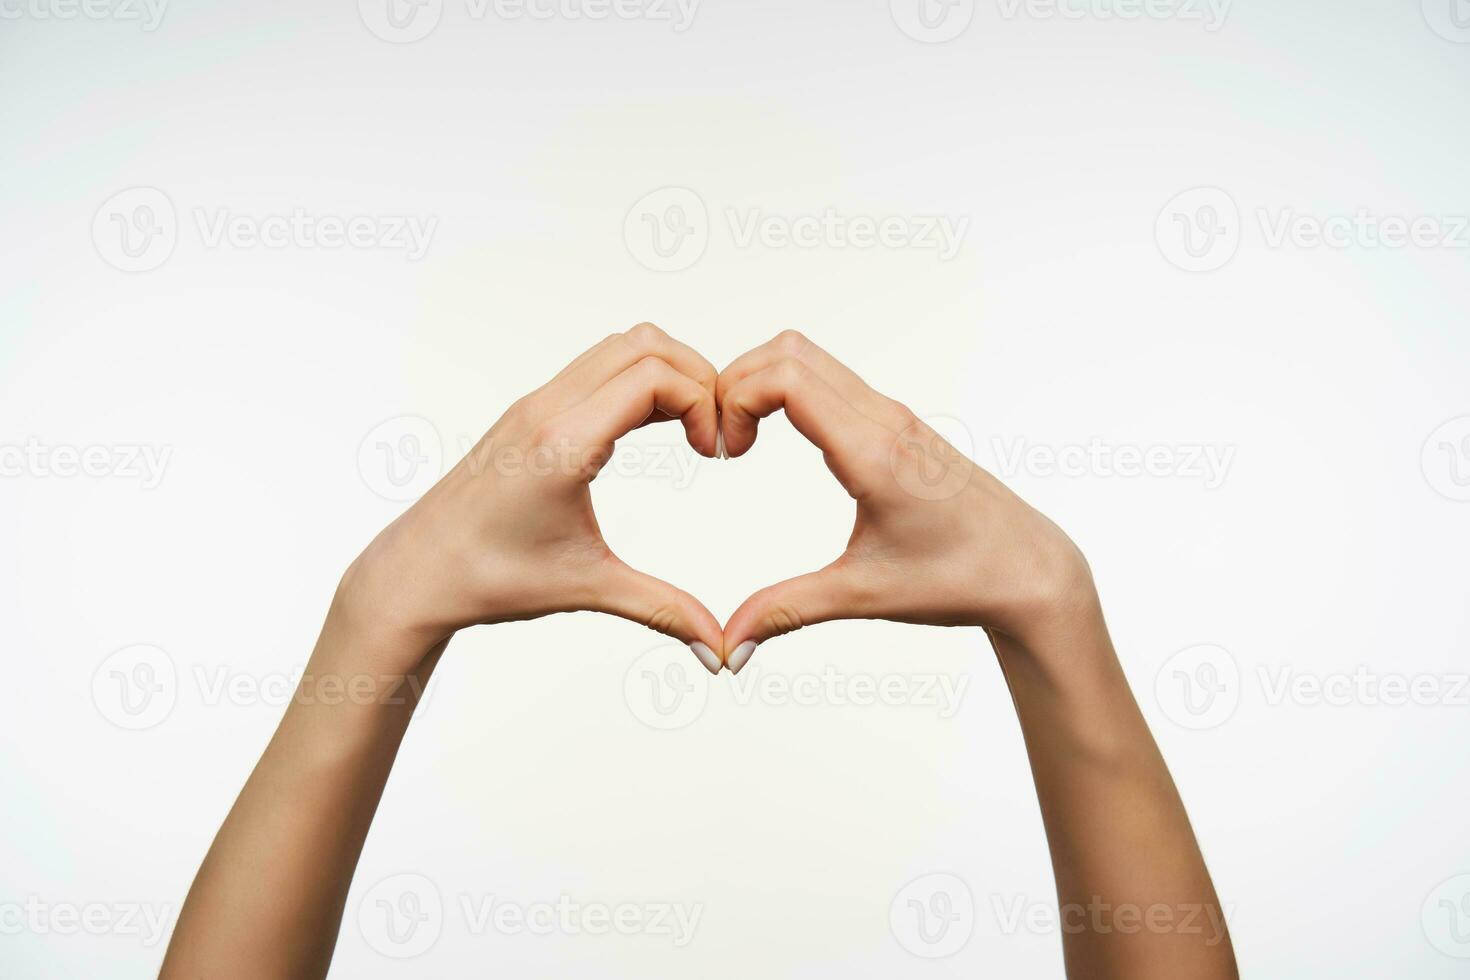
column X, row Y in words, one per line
column 1334, row 544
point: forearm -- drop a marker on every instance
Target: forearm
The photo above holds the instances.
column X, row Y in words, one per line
column 1136, row 898
column 268, row 899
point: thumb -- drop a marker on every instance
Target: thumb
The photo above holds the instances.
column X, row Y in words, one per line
column 626, row 592
column 817, row 597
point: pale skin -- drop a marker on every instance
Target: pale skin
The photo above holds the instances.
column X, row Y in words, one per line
column 510, row 534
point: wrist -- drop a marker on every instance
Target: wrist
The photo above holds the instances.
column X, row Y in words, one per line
column 1056, row 630
column 366, row 630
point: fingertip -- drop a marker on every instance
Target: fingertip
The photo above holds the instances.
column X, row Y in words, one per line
column 707, row 657
column 741, row 655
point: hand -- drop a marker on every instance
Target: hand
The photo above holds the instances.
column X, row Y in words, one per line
column 937, row 539
column 510, row 534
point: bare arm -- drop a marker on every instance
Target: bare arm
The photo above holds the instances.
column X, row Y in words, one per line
column 268, row 899
column 508, row 534
column 1136, row 899
column 939, row 541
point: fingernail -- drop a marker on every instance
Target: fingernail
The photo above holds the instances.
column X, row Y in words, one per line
column 707, row 657
column 740, row 656
column 720, row 445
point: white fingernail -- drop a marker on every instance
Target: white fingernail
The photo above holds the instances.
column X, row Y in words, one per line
column 720, row 445
column 740, row 656
column 707, row 657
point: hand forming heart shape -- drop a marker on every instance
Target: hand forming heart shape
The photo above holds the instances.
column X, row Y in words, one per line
column 510, row 532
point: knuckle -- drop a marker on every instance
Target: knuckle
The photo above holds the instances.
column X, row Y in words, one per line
column 792, row 342
column 552, row 432
column 645, row 334
column 663, row 619
column 903, row 413
column 783, row 618
column 522, row 410
column 649, row 365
